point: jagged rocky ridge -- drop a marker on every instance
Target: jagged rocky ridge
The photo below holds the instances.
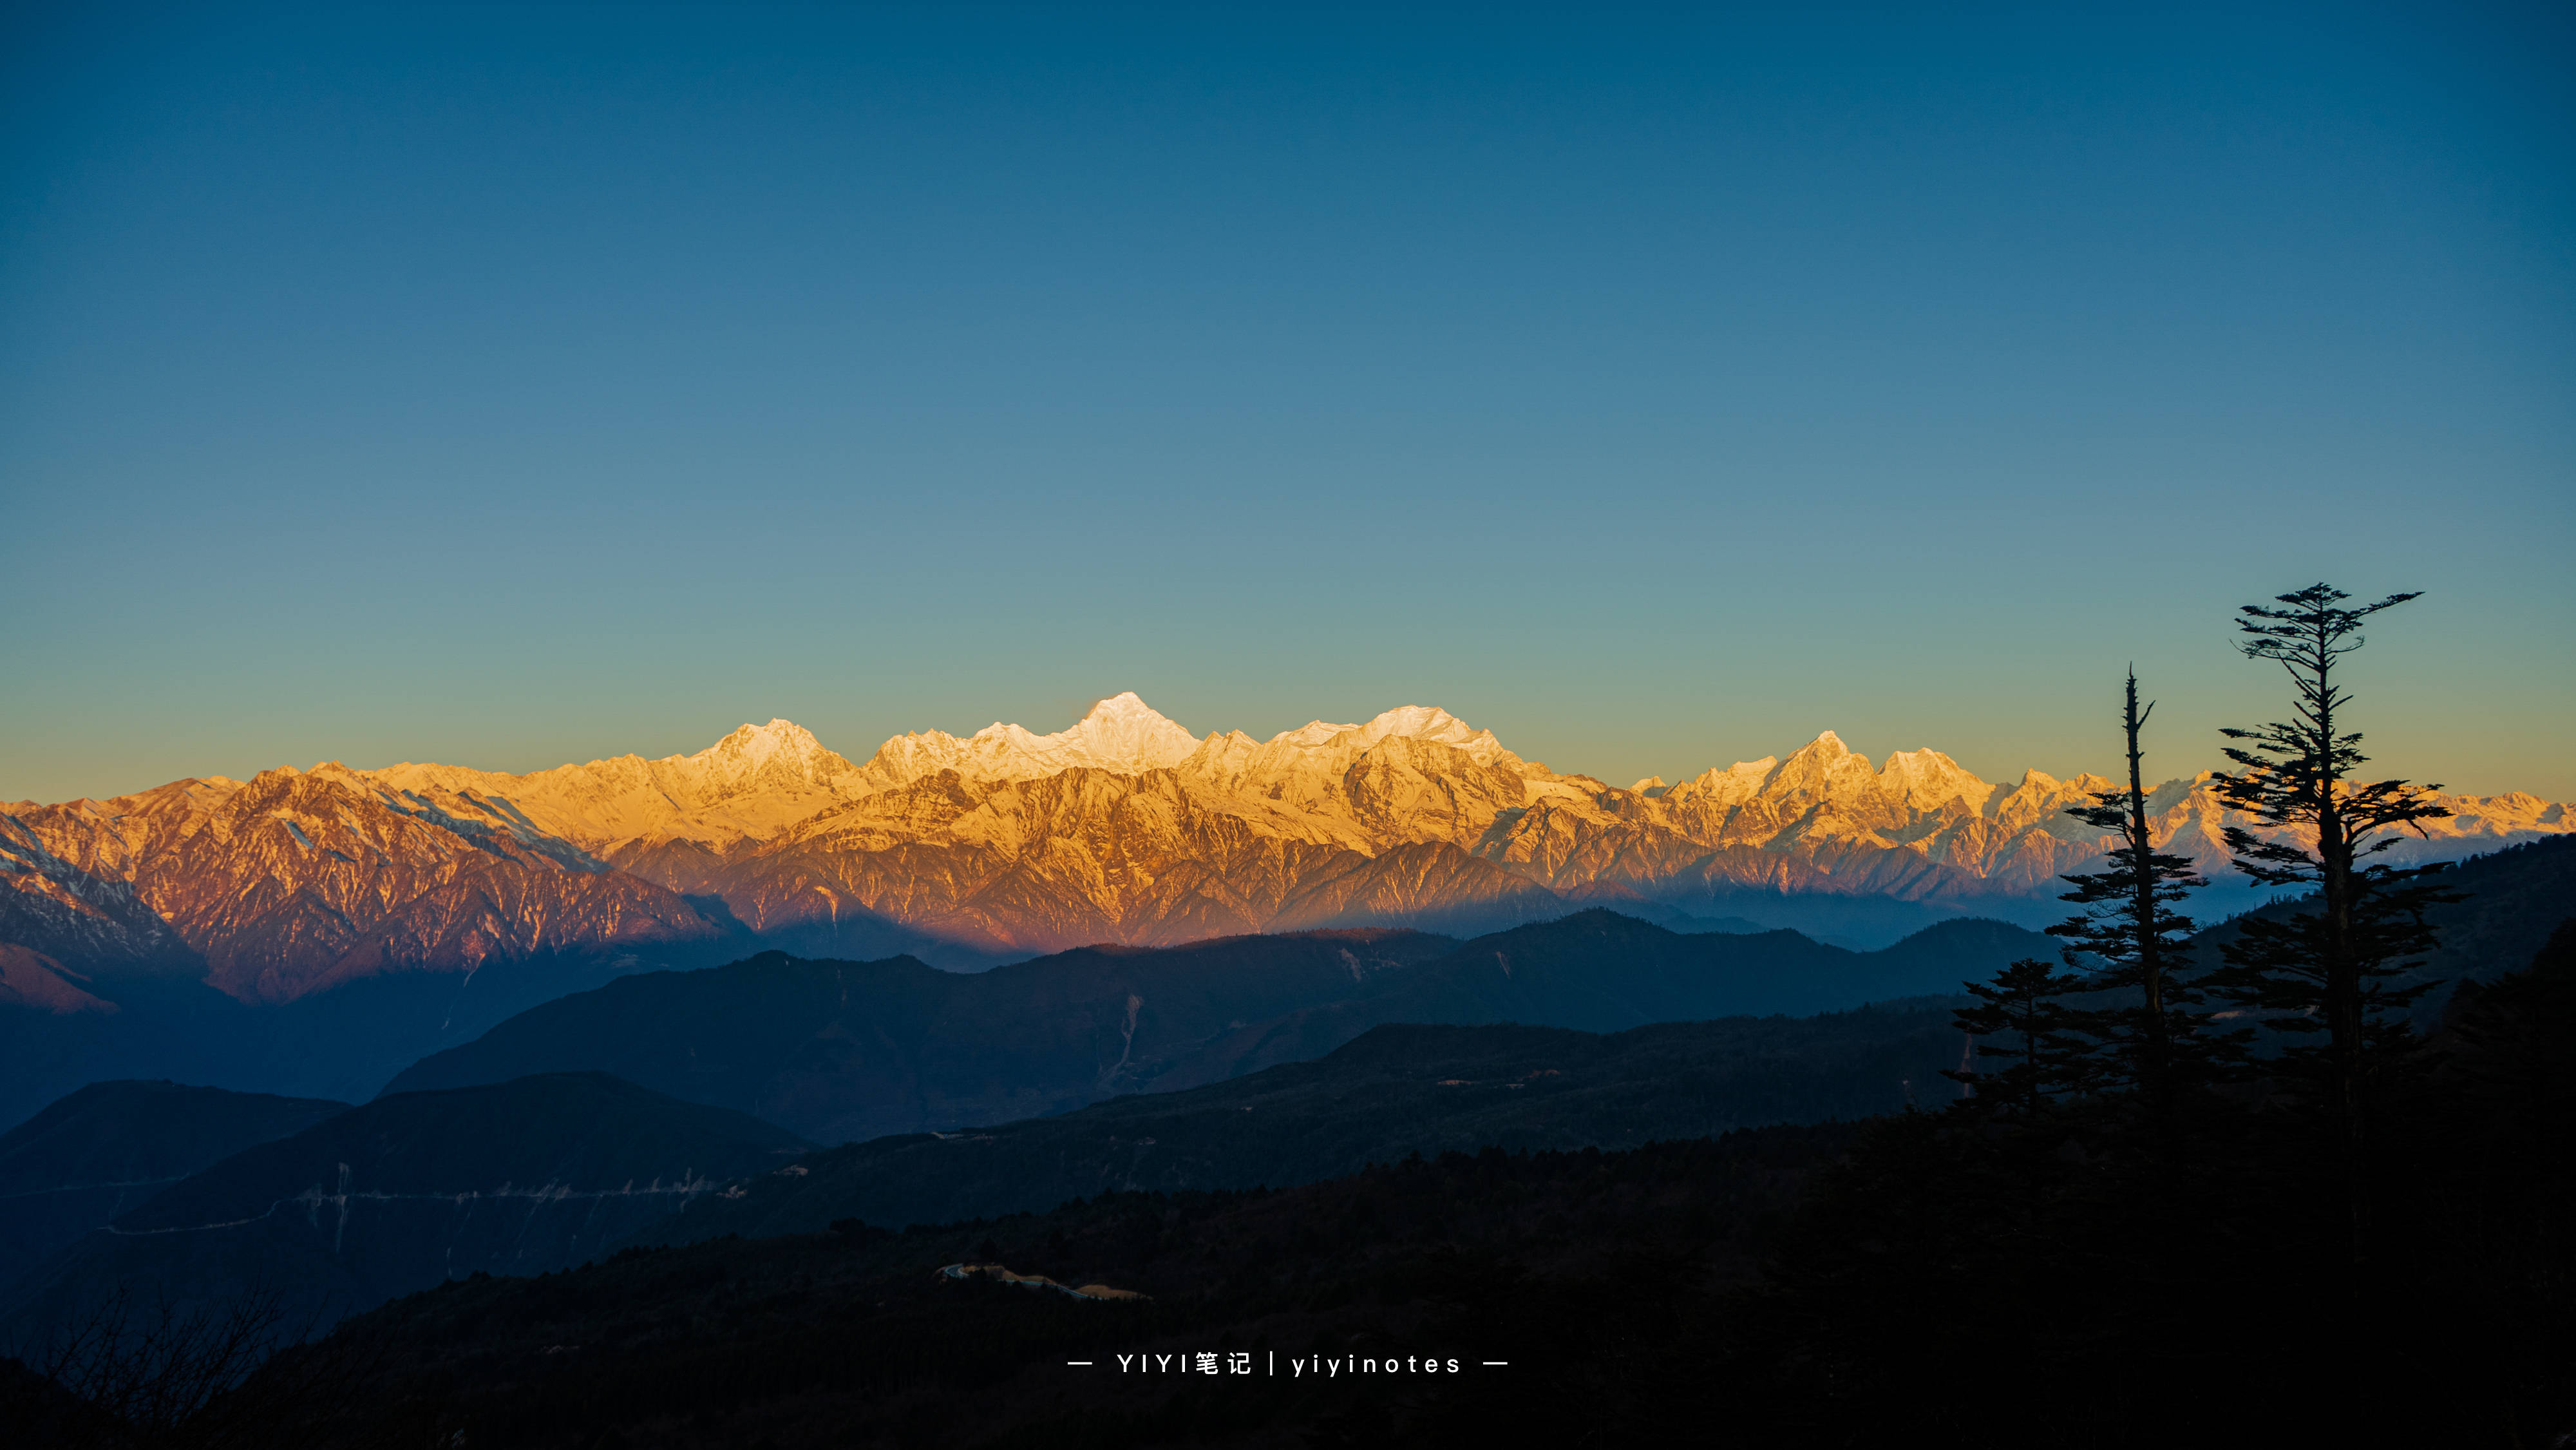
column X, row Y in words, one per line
column 1125, row 828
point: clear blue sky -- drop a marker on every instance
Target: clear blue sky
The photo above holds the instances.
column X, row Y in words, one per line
column 510, row 386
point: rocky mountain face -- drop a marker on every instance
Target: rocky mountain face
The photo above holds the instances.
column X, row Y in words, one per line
column 61, row 927
column 297, row 881
column 1125, row 828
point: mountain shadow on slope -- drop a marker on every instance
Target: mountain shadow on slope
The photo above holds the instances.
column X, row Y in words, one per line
column 848, row 1051
column 101, row 1151
column 1392, row 1092
column 406, row 1191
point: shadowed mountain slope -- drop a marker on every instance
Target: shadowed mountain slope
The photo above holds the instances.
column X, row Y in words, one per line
column 105, row 1149
column 401, row 1193
column 1394, row 1091
column 846, row 1051
column 2509, row 902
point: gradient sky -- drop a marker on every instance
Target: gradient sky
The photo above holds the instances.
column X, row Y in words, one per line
column 510, row 386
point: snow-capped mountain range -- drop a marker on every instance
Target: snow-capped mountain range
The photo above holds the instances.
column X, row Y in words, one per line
column 1123, row 828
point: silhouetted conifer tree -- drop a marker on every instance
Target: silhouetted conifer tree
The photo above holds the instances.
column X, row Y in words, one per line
column 2050, row 1048
column 2129, row 926
column 2048, row 1051
column 2334, row 967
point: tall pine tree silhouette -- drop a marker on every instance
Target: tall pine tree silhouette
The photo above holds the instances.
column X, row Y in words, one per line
column 2333, row 965
column 2162, row 1045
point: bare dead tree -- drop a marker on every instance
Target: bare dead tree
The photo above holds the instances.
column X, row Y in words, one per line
column 148, row 1366
column 131, row 1373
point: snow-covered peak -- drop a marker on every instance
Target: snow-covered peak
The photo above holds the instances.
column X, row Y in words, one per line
column 1733, row 786
column 1125, row 705
column 1121, row 733
column 1124, row 733
column 1421, row 722
column 781, row 750
column 1824, row 771
column 752, row 746
column 1928, row 780
column 1312, row 733
column 1430, row 722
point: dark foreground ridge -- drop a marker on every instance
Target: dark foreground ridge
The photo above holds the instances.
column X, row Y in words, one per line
column 856, row 1337
column 1882, row 1283
column 1879, row 1283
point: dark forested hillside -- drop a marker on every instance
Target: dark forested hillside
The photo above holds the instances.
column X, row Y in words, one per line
column 1919, row 1278
column 1910, row 1281
column 105, row 1149
column 404, row 1192
column 850, row 1051
column 1394, row 1091
column 2508, row 903
column 1592, row 1275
